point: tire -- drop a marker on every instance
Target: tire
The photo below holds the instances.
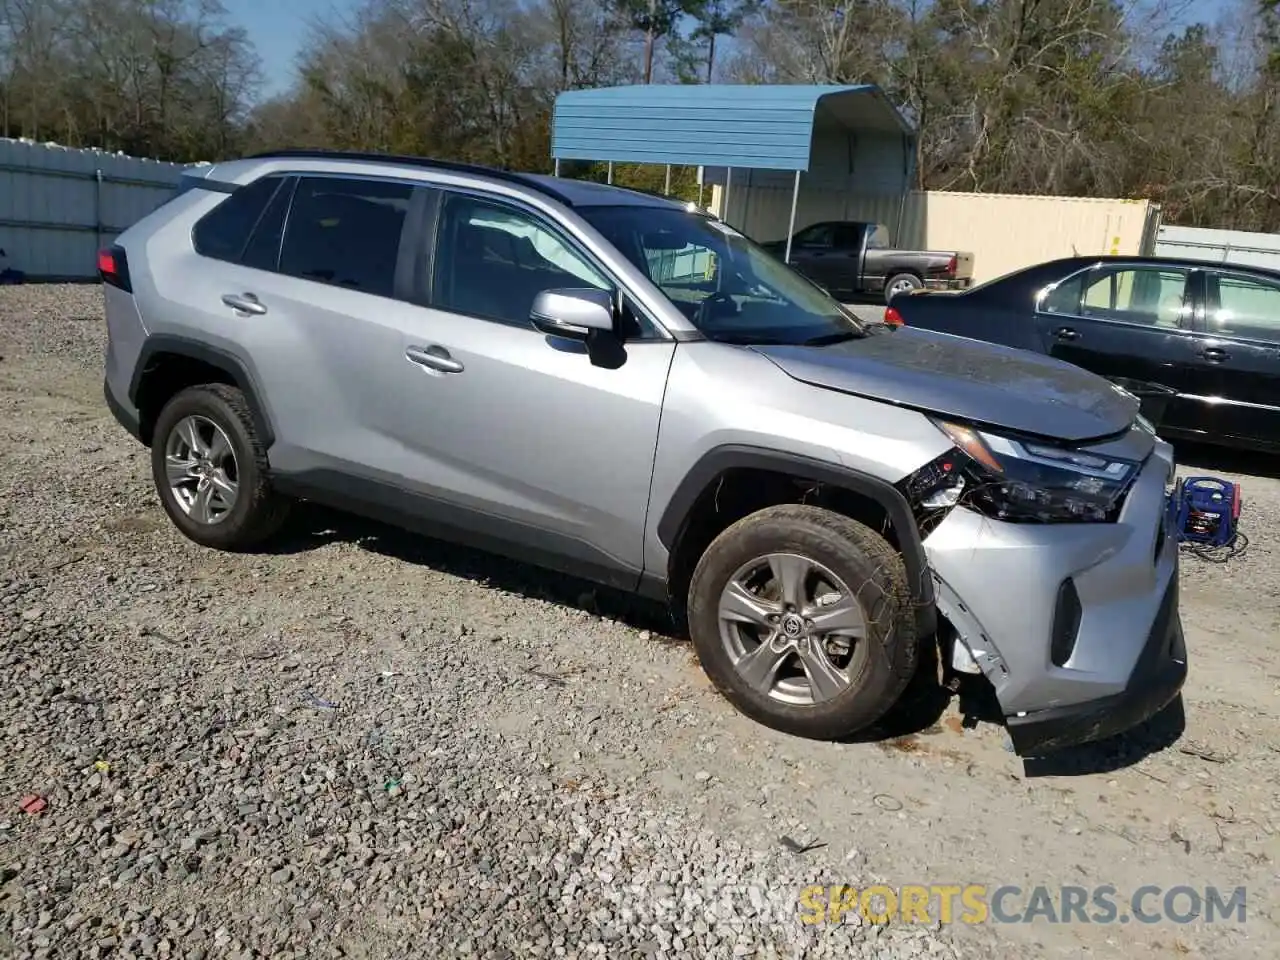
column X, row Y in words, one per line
column 256, row 511
column 901, row 283
column 873, row 575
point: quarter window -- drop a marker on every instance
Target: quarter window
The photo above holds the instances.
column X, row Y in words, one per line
column 492, row 260
column 346, row 232
column 1247, row 307
column 1065, row 297
column 263, row 249
column 224, row 231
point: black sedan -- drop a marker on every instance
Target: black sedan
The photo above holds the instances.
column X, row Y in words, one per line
column 1198, row 342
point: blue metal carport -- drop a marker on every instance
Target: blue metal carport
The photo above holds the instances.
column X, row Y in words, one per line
column 836, row 136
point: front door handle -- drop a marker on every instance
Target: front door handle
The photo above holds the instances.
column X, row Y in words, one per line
column 1215, row 354
column 1065, row 333
column 244, row 302
column 434, row 357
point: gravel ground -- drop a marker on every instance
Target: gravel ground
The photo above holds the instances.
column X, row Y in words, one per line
column 368, row 745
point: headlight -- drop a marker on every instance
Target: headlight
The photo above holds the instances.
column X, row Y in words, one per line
column 1018, row 481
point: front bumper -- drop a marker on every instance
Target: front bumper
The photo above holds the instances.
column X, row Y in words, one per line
column 1156, row 680
column 1113, row 659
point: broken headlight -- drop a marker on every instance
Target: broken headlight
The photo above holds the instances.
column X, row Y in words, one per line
column 1019, row 481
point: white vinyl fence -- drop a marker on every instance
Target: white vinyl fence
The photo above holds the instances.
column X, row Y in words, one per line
column 1220, row 246
column 60, row 205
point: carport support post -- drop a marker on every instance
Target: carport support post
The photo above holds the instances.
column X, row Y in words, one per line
column 728, row 182
column 611, row 171
column 556, row 172
column 666, row 190
column 791, row 229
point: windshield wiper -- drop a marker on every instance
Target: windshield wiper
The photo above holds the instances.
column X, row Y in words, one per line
column 749, row 340
column 829, row 338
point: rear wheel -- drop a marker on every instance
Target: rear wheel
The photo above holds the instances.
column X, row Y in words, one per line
column 901, row 283
column 801, row 617
column 210, row 469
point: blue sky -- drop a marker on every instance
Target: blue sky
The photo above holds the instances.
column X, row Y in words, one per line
column 279, row 27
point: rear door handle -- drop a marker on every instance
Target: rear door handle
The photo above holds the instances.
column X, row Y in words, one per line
column 434, row 357
column 244, row 302
column 1215, row 354
column 1065, row 333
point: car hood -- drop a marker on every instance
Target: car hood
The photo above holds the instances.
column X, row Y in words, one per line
column 965, row 379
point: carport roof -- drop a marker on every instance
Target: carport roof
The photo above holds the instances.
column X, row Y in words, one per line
column 766, row 127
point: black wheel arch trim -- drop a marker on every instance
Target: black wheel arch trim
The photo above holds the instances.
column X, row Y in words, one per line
column 240, row 371
column 713, row 463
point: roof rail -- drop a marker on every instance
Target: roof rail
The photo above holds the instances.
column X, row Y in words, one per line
column 426, row 163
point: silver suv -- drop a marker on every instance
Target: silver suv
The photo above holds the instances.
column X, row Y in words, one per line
column 622, row 387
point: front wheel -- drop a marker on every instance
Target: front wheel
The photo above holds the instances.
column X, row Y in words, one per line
column 901, row 283
column 801, row 617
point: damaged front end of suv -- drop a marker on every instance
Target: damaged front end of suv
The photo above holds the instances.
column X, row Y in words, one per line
column 1056, row 573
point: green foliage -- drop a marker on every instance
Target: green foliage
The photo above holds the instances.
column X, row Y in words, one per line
column 1085, row 97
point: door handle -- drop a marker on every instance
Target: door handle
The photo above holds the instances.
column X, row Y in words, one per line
column 435, row 357
column 244, row 302
column 1065, row 333
column 1215, row 354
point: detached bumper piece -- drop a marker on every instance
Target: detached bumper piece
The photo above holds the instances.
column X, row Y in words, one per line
column 1156, row 681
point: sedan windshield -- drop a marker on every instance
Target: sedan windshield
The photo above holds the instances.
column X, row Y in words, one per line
column 728, row 287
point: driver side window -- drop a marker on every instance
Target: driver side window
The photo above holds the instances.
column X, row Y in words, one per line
column 818, row 235
column 492, row 260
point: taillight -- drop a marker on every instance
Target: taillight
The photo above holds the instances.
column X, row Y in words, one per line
column 113, row 268
column 892, row 318
column 952, row 265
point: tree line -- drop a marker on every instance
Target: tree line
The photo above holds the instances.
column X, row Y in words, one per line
column 1128, row 98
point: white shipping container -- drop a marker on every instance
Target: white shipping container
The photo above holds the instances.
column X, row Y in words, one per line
column 1004, row 232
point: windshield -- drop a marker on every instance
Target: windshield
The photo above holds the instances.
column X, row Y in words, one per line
column 728, row 287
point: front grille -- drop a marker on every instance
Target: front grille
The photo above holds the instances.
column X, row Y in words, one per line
column 1066, row 623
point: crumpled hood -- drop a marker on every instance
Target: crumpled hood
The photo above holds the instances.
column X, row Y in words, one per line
column 966, row 379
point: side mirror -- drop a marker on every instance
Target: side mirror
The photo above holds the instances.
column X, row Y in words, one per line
column 573, row 312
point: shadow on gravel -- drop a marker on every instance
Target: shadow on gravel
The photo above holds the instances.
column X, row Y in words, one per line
column 918, row 710
column 1159, row 733
column 312, row 526
column 1212, row 460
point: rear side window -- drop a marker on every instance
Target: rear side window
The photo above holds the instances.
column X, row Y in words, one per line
column 1247, row 307
column 346, row 232
column 223, row 232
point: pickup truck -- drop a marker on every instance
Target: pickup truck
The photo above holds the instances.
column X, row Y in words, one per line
column 854, row 259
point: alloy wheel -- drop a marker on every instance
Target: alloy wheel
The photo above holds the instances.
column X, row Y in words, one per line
column 201, row 467
column 792, row 628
